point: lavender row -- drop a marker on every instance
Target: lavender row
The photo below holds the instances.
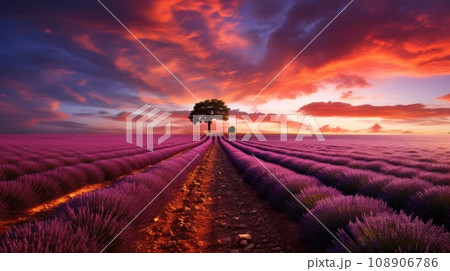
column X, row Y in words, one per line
column 337, row 212
column 410, row 195
column 374, row 160
column 402, row 167
column 372, row 165
column 90, row 222
column 12, row 171
column 39, row 150
column 33, row 189
column 362, row 151
column 17, row 153
column 427, row 149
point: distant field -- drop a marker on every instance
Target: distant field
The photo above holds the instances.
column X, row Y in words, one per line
column 374, row 193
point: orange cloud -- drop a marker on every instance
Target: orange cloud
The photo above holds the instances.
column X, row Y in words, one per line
column 348, row 95
column 376, row 128
column 74, row 94
column 445, row 98
column 205, row 45
column 82, row 83
column 334, row 130
column 410, row 111
column 343, row 81
column 86, row 43
column 101, row 98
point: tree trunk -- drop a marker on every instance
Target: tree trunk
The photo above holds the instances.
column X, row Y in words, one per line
column 209, row 126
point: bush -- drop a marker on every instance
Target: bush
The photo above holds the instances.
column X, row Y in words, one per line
column 367, row 165
column 265, row 185
column 329, row 175
column 335, row 213
column 4, row 212
column 399, row 171
column 300, row 166
column 48, row 236
column 99, row 222
column 110, row 168
column 351, row 180
column 308, row 196
column 9, row 172
column 374, row 187
column 279, row 195
column 390, row 233
column 51, row 163
column 43, row 187
column 254, row 174
column 93, row 173
column 315, row 168
column 435, row 178
column 431, row 204
column 17, row 196
column 441, row 168
column 399, row 191
column 67, row 177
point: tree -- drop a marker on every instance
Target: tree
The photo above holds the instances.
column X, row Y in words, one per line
column 208, row 110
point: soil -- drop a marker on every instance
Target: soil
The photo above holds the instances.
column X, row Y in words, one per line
column 216, row 211
column 41, row 211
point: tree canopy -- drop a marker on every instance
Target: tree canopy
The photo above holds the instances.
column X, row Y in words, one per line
column 207, row 110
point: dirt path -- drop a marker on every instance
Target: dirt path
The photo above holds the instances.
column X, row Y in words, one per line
column 216, row 211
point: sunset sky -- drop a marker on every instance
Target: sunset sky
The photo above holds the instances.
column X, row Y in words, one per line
column 380, row 67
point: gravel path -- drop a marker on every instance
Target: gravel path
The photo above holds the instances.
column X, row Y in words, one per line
column 216, row 211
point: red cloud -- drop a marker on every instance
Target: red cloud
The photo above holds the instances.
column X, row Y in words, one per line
column 204, row 45
column 338, row 109
column 338, row 130
column 343, row 81
column 348, row 95
column 376, row 128
column 122, row 116
column 86, row 43
column 445, row 98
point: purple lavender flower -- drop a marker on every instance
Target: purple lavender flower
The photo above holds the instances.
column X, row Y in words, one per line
column 391, row 233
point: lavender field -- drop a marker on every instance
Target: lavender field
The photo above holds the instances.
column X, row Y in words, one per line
column 77, row 193
column 375, row 193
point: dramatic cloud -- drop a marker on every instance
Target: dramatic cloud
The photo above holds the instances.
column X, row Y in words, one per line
column 337, row 130
column 349, row 95
column 445, row 98
column 122, row 116
column 61, row 57
column 338, row 109
column 65, row 124
column 376, row 128
column 343, row 81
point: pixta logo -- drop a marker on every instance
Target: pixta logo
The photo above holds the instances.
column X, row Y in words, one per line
column 308, row 127
column 144, row 120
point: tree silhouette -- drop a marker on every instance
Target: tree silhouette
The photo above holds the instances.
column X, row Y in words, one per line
column 207, row 110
